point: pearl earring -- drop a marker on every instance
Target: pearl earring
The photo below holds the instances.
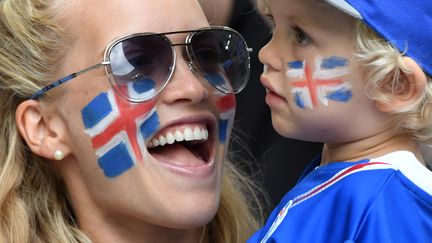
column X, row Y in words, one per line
column 58, row 155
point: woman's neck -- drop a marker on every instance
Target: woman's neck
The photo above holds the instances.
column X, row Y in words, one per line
column 116, row 232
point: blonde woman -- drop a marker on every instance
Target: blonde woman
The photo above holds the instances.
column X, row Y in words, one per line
column 128, row 145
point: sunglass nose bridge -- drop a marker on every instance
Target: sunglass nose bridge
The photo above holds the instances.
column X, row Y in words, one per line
column 191, row 66
column 180, row 44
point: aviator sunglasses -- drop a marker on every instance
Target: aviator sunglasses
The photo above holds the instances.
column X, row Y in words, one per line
column 139, row 66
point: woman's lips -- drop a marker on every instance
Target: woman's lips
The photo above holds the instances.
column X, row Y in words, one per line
column 185, row 164
column 186, row 148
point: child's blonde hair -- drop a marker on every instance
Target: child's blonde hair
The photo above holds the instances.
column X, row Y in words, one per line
column 383, row 67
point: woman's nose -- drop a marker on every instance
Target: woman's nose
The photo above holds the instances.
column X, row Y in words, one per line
column 184, row 85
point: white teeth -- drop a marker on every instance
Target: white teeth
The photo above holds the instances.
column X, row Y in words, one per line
column 197, row 134
column 179, row 136
column 162, row 140
column 187, row 135
column 204, row 134
column 170, row 138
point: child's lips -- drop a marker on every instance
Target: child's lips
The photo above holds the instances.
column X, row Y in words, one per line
column 272, row 97
column 265, row 82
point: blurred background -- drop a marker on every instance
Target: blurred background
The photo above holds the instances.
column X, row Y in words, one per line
column 276, row 162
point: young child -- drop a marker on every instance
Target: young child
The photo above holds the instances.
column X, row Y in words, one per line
column 355, row 75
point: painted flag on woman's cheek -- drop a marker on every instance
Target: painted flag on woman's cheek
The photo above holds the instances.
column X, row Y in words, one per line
column 226, row 105
column 119, row 130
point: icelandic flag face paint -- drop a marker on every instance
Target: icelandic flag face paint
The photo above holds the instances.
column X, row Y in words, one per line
column 118, row 129
column 226, row 105
column 321, row 84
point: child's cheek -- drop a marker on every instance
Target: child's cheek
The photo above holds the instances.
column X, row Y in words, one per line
column 315, row 84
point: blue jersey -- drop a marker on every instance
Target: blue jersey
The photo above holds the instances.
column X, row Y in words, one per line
column 387, row 199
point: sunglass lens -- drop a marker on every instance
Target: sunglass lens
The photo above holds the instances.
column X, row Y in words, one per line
column 222, row 56
column 141, row 66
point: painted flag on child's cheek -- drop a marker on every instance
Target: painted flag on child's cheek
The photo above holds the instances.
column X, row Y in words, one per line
column 321, row 84
column 119, row 129
column 226, row 105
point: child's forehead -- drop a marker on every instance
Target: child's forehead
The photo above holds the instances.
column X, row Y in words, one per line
column 292, row 7
column 311, row 11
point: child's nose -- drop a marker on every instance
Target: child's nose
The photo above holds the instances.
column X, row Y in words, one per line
column 270, row 56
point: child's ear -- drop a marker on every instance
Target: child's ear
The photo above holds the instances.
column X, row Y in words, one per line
column 410, row 89
column 44, row 134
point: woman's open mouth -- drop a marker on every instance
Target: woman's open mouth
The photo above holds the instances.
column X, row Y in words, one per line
column 185, row 145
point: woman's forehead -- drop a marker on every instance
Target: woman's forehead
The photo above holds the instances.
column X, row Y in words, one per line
column 113, row 18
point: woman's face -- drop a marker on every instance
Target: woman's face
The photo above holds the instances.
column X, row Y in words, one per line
column 129, row 164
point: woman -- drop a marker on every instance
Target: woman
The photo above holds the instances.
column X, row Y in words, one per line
column 127, row 149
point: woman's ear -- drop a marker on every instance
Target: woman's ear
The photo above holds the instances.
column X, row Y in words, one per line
column 410, row 88
column 44, row 134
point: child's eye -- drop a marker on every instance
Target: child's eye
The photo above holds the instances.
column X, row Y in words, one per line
column 301, row 37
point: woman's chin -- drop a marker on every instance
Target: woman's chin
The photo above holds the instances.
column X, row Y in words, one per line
column 194, row 217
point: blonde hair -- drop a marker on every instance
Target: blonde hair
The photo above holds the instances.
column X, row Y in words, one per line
column 237, row 218
column 384, row 65
column 34, row 203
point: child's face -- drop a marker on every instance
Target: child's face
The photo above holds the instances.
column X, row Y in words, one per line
column 315, row 86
